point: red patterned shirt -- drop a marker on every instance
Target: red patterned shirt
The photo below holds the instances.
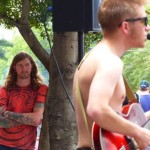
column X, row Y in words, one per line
column 21, row 100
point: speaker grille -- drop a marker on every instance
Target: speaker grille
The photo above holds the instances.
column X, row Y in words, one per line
column 75, row 15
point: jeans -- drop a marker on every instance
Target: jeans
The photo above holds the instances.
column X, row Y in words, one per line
column 2, row 147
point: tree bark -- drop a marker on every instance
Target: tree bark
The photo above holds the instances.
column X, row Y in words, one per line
column 44, row 143
column 62, row 125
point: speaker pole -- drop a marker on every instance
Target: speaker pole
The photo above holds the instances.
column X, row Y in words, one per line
column 80, row 45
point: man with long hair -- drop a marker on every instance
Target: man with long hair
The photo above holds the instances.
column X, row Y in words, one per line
column 22, row 101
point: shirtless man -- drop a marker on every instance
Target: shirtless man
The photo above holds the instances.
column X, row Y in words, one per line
column 99, row 76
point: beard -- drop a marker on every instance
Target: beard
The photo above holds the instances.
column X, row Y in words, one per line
column 24, row 75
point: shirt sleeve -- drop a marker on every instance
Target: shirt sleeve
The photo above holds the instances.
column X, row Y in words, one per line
column 42, row 93
column 3, row 97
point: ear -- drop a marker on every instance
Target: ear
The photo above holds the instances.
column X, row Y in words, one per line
column 125, row 27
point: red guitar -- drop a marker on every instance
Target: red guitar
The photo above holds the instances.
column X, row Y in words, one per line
column 105, row 140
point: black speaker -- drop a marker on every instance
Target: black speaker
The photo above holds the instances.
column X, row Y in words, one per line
column 75, row 15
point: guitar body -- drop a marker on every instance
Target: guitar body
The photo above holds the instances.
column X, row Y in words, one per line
column 105, row 140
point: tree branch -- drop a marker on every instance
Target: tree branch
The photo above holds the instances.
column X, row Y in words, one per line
column 8, row 19
column 36, row 47
column 25, row 12
column 25, row 30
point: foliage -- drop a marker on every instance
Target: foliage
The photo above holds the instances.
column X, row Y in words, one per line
column 136, row 62
column 4, row 43
column 136, row 66
column 12, row 9
column 91, row 39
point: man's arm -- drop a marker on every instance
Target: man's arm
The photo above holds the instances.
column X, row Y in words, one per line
column 5, row 122
column 34, row 118
column 8, row 123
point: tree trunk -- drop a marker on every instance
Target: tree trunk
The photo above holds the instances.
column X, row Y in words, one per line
column 62, row 125
column 44, row 143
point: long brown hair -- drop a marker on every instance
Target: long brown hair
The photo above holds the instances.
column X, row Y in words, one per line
column 10, row 81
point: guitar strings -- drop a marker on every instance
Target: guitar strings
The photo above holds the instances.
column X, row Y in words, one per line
column 130, row 145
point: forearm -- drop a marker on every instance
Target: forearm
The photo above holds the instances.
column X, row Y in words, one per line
column 23, row 118
column 32, row 118
column 7, row 123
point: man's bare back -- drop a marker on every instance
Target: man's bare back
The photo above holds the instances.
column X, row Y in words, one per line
column 85, row 79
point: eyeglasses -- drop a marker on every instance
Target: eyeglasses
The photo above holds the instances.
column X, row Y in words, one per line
column 144, row 19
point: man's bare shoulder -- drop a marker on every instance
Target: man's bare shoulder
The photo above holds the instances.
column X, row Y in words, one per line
column 104, row 57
